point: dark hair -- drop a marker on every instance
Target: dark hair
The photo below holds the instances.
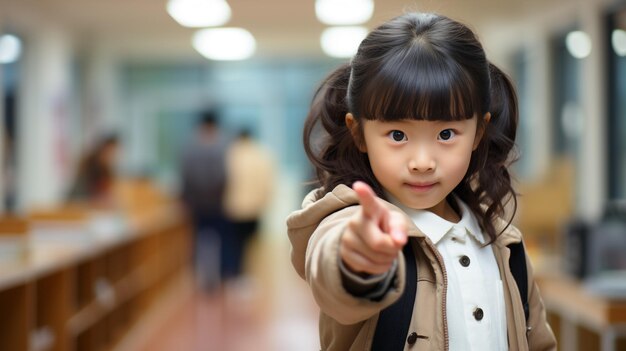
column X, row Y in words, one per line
column 244, row 133
column 94, row 175
column 107, row 140
column 422, row 67
column 208, row 118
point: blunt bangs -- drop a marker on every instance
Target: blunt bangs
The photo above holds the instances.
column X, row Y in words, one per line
column 422, row 85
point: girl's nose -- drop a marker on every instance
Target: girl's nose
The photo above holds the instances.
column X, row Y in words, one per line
column 422, row 161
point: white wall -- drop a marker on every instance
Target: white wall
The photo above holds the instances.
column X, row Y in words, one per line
column 43, row 157
column 102, row 103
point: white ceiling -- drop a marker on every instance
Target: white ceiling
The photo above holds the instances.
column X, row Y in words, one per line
column 285, row 27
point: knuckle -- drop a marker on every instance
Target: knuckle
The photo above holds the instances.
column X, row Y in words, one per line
column 359, row 266
column 343, row 249
column 356, row 225
column 349, row 259
column 387, row 261
column 354, row 222
column 378, row 243
column 347, row 242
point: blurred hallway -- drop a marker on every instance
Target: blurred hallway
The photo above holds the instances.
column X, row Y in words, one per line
column 269, row 310
column 73, row 72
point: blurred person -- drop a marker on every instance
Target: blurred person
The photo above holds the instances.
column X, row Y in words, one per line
column 250, row 170
column 203, row 184
column 96, row 174
column 406, row 244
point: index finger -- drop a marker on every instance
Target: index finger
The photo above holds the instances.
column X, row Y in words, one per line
column 367, row 198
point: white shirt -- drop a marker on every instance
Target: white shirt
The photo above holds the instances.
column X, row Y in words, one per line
column 474, row 283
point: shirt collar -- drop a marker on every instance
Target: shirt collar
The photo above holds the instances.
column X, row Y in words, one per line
column 435, row 227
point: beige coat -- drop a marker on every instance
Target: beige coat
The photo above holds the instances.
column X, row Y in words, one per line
column 348, row 322
column 250, row 170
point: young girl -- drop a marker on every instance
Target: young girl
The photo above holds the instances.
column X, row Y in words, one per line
column 411, row 144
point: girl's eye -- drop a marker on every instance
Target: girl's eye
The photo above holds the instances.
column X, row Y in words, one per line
column 397, row 135
column 446, row 134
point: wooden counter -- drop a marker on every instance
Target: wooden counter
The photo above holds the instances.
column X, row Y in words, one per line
column 87, row 294
column 581, row 320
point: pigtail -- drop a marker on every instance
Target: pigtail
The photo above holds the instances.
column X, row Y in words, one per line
column 328, row 143
column 490, row 182
column 503, row 124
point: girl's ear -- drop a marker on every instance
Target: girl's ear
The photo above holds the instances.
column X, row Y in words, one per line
column 355, row 131
column 480, row 131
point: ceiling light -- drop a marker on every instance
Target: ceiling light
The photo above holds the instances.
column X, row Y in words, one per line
column 344, row 12
column 10, row 48
column 342, row 41
column 578, row 44
column 199, row 13
column 224, row 44
column 618, row 40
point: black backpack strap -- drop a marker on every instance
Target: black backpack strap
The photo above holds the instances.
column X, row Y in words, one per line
column 394, row 321
column 517, row 264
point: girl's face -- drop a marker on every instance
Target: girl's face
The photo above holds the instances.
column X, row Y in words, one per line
column 420, row 162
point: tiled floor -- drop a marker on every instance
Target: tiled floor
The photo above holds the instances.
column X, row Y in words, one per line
column 269, row 310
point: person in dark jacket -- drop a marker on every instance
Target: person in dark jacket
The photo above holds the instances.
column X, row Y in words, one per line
column 203, row 182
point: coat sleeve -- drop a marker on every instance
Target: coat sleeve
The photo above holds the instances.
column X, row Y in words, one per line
column 322, row 272
column 540, row 336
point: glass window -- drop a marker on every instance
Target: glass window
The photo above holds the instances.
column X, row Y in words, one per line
column 270, row 98
column 524, row 133
column 567, row 117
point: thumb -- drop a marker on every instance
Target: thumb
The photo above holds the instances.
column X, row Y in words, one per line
column 397, row 228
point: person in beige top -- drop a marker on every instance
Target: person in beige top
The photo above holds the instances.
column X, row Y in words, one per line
column 250, row 171
column 411, row 142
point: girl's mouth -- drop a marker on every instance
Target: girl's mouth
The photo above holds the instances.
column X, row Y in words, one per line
column 420, row 187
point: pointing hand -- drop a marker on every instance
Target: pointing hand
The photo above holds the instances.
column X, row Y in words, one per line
column 374, row 235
